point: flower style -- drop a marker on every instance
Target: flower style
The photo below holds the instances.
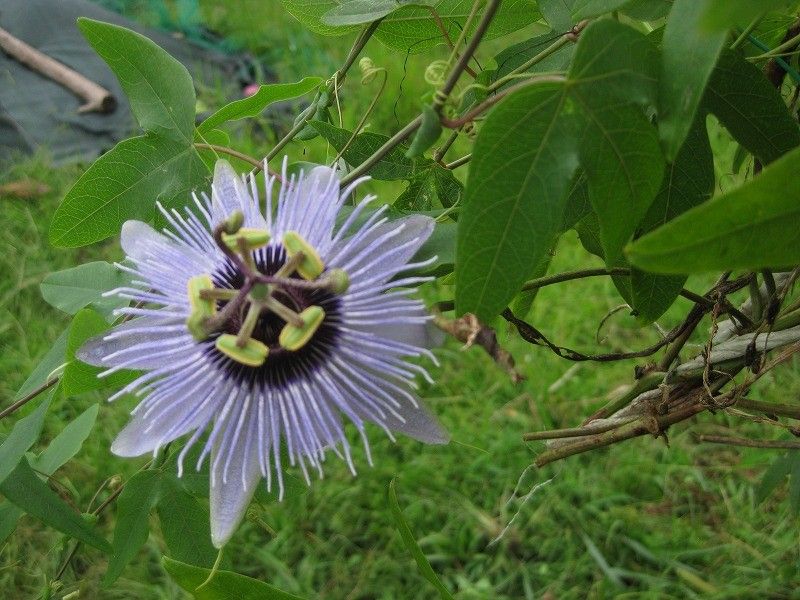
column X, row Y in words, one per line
column 265, row 329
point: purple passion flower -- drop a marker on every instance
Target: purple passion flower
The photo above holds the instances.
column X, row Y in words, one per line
column 267, row 327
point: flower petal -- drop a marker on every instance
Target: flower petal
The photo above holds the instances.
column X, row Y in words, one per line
column 142, row 331
column 420, row 424
column 139, row 240
column 229, row 500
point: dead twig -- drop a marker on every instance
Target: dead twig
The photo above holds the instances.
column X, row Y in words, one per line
column 96, row 98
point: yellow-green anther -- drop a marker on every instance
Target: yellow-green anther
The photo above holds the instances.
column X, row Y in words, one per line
column 253, row 238
column 195, row 288
column 196, row 324
column 293, row 337
column 338, row 281
column 234, row 222
column 311, row 266
column 253, row 354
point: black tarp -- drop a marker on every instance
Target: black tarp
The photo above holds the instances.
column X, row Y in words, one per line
column 37, row 112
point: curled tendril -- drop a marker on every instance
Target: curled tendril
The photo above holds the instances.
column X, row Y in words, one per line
column 368, row 70
column 435, row 72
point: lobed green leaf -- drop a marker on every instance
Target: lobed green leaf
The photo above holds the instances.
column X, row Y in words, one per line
column 123, row 184
column 158, row 86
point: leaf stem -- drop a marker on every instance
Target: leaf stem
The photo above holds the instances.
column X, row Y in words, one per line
column 25, row 399
column 335, row 82
column 458, row 162
column 463, row 60
column 387, row 147
column 231, row 152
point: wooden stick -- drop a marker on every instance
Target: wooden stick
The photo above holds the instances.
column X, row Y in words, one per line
column 96, row 98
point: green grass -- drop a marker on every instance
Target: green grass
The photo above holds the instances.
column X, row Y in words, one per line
column 638, row 520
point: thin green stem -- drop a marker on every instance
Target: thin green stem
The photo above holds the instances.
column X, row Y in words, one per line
column 463, row 60
column 458, row 162
column 396, row 139
column 25, row 399
column 231, row 152
column 334, row 83
column 750, row 28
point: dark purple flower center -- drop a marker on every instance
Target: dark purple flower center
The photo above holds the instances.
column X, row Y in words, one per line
column 282, row 366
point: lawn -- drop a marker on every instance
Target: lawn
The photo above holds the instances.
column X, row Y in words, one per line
column 641, row 519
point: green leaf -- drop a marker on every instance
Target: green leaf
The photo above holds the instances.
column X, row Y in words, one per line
column 24, row 489
column 751, row 108
column 585, row 9
column 358, row 12
column 310, row 13
column 773, row 476
column 413, row 28
column 411, row 545
column 138, row 498
column 722, row 15
column 513, row 208
column 624, row 166
column 430, row 188
column 22, row 436
column 123, row 184
column 51, row 361
column 615, row 67
column 253, row 105
column 393, row 166
column 648, row 10
column 558, row 14
column 72, row 289
column 159, row 88
column 65, row 445
column 185, row 524
column 688, row 182
column 614, row 62
column 751, row 227
column 224, row 585
column 79, row 377
column 689, row 54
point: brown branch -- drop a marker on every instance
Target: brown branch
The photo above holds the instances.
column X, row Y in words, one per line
column 769, row 408
column 96, row 98
column 748, row 443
